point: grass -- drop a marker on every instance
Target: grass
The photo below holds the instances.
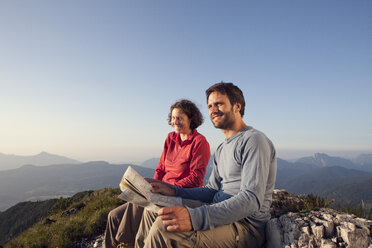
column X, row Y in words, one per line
column 63, row 230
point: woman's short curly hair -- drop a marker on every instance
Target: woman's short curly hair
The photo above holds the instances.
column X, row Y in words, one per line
column 188, row 108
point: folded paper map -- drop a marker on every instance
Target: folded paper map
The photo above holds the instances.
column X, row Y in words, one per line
column 137, row 190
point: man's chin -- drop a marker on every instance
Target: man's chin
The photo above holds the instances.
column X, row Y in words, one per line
column 217, row 125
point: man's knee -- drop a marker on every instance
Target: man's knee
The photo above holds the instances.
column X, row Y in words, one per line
column 117, row 213
column 157, row 235
column 111, row 214
column 157, row 229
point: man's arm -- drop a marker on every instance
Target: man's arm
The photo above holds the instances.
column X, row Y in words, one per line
column 257, row 160
column 163, row 188
column 203, row 194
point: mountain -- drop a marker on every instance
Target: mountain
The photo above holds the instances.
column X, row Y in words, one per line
column 286, row 171
column 8, row 162
column 323, row 160
column 45, row 182
column 317, row 175
column 363, row 159
column 151, row 163
column 21, row 216
column 31, row 182
column 364, row 162
column 321, row 179
column 352, row 193
column 69, row 220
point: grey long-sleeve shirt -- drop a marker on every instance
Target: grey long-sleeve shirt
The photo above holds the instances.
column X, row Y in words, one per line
column 241, row 183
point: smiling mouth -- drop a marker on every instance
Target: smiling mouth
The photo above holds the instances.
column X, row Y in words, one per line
column 216, row 116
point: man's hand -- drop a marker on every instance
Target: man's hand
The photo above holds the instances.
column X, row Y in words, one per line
column 151, row 180
column 176, row 219
column 163, row 188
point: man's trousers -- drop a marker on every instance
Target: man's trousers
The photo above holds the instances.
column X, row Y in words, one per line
column 153, row 234
column 122, row 225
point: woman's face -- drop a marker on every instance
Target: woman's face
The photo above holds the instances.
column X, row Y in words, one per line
column 180, row 122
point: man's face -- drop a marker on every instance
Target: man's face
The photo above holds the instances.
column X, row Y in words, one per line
column 220, row 111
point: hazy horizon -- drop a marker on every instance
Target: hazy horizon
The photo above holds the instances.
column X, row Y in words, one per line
column 94, row 80
column 290, row 155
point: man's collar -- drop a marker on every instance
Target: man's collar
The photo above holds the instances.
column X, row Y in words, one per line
column 238, row 134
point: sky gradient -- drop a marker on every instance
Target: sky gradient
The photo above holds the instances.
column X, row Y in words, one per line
column 93, row 80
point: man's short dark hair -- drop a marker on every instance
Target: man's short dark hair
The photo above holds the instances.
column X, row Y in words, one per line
column 190, row 109
column 232, row 91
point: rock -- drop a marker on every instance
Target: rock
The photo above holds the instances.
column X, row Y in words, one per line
column 68, row 212
column 48, row 221
column 273, row 228
column 98, row 242
column 318, row 231
column 353, row 236
column 325, row 228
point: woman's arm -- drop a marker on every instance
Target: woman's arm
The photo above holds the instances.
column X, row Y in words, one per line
column 160, row 169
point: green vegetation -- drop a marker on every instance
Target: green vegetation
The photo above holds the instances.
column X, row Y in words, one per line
column 21, row 216
column 361, row 210
column 302, row 203
column 70, row 220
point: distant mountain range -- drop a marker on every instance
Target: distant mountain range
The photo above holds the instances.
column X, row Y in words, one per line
column 45, row 182
column 151, row 163
column 362, row 162
column 8, row 162
column 327, row 176
column 332, row 177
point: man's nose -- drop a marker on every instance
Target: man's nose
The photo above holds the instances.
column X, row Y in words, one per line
column 213, row 109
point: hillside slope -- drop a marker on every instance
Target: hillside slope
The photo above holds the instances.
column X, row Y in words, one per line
column 70, row 220
column 21, row 216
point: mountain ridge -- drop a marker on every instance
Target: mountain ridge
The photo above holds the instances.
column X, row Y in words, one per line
column 30, row 182
column 11, row 161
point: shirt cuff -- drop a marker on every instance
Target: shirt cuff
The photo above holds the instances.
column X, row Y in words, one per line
column 198, row 218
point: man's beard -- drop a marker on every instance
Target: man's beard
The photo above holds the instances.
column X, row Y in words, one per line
column 227, row 122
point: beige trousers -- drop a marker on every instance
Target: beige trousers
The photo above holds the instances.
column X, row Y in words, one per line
column 122, row 225
column 152, row 234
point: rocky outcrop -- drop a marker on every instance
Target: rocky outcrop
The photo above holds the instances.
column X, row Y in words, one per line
column 325, row 228
column 95, row 242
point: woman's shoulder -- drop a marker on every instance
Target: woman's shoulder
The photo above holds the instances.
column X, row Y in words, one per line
column 199, row 137
column 171, row 137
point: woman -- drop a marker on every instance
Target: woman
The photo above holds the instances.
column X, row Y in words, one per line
column 182, row 163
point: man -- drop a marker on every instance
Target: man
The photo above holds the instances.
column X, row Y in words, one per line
column 233, row 208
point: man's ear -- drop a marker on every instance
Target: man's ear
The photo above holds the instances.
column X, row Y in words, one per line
column 237, row 107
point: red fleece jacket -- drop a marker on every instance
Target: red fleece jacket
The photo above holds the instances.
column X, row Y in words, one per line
column 184, row 163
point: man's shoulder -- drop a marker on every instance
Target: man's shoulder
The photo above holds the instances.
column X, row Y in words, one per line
column 251, row 132
column 255, row 138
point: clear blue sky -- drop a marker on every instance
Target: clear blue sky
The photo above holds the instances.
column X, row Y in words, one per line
column 93, row 80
